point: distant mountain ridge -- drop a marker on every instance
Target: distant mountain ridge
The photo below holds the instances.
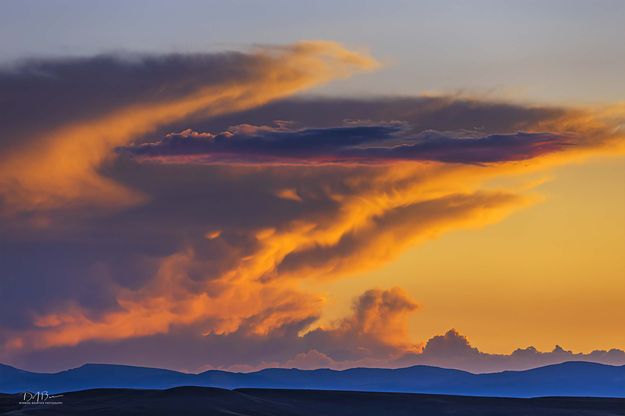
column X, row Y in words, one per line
column 566, row 379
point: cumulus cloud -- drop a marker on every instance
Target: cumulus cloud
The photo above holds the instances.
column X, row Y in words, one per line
column 452, row 344
column 378, row 327
column 358, row 340
column 455, row 351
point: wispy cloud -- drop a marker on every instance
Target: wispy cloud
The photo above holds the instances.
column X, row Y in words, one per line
column 65, row 116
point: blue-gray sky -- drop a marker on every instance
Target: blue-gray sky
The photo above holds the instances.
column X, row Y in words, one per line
column 550, row 51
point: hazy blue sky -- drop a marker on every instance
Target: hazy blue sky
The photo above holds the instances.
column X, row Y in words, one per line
column 559, row 50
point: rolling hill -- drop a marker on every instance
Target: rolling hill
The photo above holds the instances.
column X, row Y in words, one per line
column 566, row 379
column 191, row 401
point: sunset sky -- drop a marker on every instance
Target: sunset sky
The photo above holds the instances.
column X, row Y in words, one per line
column 240, row 185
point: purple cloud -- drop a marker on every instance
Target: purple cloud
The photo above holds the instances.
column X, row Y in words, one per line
column 360, row 144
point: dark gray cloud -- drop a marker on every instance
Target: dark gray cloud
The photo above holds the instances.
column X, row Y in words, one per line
column 346, row 144
column 445, row 113
column 454, row 350
column 40, row 94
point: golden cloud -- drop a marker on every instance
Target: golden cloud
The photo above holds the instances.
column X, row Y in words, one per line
column 343, row 218
column 60, row 167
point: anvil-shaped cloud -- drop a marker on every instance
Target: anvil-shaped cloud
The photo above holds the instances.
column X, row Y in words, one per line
column 111, row 239
column 64, row 116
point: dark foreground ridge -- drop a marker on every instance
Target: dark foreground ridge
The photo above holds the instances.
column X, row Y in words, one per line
column 567, row 379
column 212, row 401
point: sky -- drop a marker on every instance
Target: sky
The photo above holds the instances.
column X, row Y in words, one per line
column 241, row 185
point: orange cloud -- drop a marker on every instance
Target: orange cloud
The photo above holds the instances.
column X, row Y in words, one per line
column 381, row 315
column 347, row 218
column 378, row 213
column 60, row 167
column 171, row 299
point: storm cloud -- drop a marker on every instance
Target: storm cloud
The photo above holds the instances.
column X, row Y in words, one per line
column 121, row 241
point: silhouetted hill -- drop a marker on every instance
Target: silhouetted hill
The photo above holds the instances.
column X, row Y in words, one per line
column 566, row 379
column 190, row 401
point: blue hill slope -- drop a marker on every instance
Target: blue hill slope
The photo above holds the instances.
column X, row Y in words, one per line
column 566, row 379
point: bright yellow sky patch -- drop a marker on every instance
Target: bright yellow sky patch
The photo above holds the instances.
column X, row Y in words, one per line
column 552, row 273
